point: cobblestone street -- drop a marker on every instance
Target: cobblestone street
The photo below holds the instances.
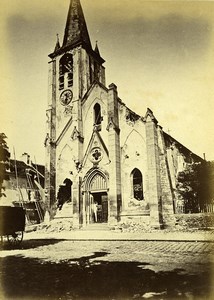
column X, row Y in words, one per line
column 67, row 269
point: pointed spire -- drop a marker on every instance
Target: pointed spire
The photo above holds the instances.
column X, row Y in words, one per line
column 57, row 47
column 76, row 30
column 96, row 49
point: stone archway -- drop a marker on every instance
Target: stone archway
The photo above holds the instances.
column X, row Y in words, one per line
column 96, row 197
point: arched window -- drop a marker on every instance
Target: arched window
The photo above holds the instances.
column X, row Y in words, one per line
column 64, row 193
column 137, row 184
column 97, row 116
column 66, row 71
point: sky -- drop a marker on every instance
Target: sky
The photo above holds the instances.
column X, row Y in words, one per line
column 160, row 54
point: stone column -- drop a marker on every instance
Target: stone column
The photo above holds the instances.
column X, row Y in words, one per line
column 153, row 165
column 76, row 203
column 114, row 195
column 76, row 188
column 166, row 185
column 76, row 135
column 50, row 163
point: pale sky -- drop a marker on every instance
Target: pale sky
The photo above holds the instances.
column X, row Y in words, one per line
column 160, row 54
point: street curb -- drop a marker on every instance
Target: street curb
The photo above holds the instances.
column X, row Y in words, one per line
column 103, row 236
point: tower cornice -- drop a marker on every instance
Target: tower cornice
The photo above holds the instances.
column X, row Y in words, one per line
column 75, row 45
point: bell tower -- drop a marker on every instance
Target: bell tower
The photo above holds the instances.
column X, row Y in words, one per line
column 73, row 68
column 77, row 64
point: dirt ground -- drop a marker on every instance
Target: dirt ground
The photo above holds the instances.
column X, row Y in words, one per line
column 65, row 269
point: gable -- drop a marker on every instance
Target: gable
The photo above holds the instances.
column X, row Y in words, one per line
column 96, row 152
column 96, row 85
column 97, row 95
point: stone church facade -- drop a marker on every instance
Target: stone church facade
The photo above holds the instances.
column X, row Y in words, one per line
column 98, row 151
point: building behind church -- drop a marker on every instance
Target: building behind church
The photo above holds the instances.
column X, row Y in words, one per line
column 98, row 151
column 24, row 187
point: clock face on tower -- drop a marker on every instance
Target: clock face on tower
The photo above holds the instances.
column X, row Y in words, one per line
column 66, row 97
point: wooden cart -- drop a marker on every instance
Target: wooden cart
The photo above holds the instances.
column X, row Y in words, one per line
column 12, row 224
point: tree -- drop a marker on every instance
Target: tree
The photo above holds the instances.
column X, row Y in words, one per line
column 4, row 161
column 195, row 185
column 188, row 186
column 206, row 191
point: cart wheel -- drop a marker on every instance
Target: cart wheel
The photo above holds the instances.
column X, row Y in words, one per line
column 15, row 238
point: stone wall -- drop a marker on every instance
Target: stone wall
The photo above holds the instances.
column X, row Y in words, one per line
column 133, row 156
column 193, row 222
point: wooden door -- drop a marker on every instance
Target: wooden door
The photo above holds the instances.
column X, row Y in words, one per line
column 104, row 201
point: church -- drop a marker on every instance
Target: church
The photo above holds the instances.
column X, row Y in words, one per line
column 104, row 162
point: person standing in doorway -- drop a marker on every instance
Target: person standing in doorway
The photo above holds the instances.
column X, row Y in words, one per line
column 95, row 212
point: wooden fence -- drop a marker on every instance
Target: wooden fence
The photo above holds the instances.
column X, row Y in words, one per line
column 207, row 208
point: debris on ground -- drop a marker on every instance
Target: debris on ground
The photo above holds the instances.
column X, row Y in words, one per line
column 183, row 223
column 55, row 225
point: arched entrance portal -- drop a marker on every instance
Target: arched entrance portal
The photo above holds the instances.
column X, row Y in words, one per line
column 96, row 198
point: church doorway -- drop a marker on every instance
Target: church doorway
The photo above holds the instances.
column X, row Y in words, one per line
column 99, row 205
column 96, row 197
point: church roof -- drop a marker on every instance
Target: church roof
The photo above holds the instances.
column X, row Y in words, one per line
column 169, row 141
column 76, row 30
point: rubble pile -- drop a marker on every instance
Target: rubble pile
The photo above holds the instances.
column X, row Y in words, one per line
column 183, row 222
column 131, row 226
column 55, row 226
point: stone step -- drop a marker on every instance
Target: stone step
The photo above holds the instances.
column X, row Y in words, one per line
column 96, row 227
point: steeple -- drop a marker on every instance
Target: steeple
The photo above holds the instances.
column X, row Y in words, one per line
column 76, row 31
